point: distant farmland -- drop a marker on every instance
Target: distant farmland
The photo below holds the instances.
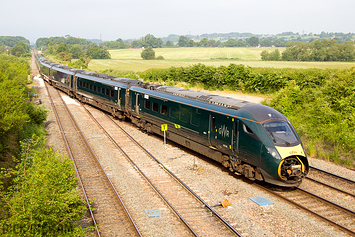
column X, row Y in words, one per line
column 130, row 59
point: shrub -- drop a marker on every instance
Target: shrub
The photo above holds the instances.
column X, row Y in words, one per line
column 148, row 53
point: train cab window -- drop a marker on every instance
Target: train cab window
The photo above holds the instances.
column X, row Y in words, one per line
column 155, row 107
column 147, row 104
column 98, row 89
column 80, row 84
column 94, row 88
column 112, row 93
column 280, row 132
column 164, row 109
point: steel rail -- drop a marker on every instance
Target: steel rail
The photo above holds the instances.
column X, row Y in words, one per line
column 180, row 181
column 349, row 231
column 331, row 174
column 108, row 179
column 142, row 173
column 72, row 158
column 330, row 186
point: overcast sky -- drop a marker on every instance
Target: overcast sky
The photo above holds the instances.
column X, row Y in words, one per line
column 128, row 19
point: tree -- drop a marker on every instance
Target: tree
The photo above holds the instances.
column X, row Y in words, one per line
column 150, row 41
column 13, row 78
column 253, row 41
column 266, row 43
column 76, row 51
column 63, row 47
column 19, row 49
column 169, row 43
column 97, row 53
column 185, row 42
column 65, row 56
column 148, row 53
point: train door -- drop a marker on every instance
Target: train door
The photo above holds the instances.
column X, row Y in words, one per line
column 134, row 102
column 137, row 103
column 235, row 137
column 248, row 145
column 220, row 131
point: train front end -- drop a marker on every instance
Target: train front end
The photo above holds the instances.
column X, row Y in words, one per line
column 286, row 163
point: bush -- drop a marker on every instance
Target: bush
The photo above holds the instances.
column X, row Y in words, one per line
column 42, row 200
column 98, row 53
column 37, row 113
column 148, row 53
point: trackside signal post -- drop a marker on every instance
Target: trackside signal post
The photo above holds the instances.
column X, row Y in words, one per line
column 164, row 128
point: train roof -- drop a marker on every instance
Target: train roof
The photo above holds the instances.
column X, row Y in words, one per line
column 260, row 113
column 102, row 79
column 61, row 68
column 206, row 97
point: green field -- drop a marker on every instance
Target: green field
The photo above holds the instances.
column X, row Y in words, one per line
column 130, row 59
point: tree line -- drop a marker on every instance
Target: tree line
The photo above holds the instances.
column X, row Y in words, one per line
column 10, row 41
column 67, row 48
column 319, row 50
column 15, row 45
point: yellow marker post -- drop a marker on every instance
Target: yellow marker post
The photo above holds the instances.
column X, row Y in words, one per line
column 164, row 128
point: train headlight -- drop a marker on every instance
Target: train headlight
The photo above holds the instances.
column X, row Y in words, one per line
column 274, row 152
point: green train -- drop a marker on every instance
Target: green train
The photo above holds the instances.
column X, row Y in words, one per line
column 250, row 139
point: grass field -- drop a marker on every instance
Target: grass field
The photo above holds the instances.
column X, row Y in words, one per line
column 130, row 59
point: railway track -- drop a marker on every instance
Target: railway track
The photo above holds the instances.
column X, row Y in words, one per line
column 109, row 215
column 198, row 217
column 335, row 214
column 336, row 182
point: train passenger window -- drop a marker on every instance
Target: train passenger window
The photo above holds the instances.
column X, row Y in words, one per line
column 184, row 115
column 236, row 129
column 247, row 129
column 155, row 107
column 90, row 87
column 173, row 113
column 107, row 91
column 98, row 89
column 213, row 123
column 164, row 109
column 147, row 104
column 87, row 85
column 112, row 93
column 94, row 88
column 83, row 84
column 80, row 84
column 102, row 90
column 195, row 119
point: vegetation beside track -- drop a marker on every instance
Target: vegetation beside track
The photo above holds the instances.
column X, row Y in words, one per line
column 36, row 184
